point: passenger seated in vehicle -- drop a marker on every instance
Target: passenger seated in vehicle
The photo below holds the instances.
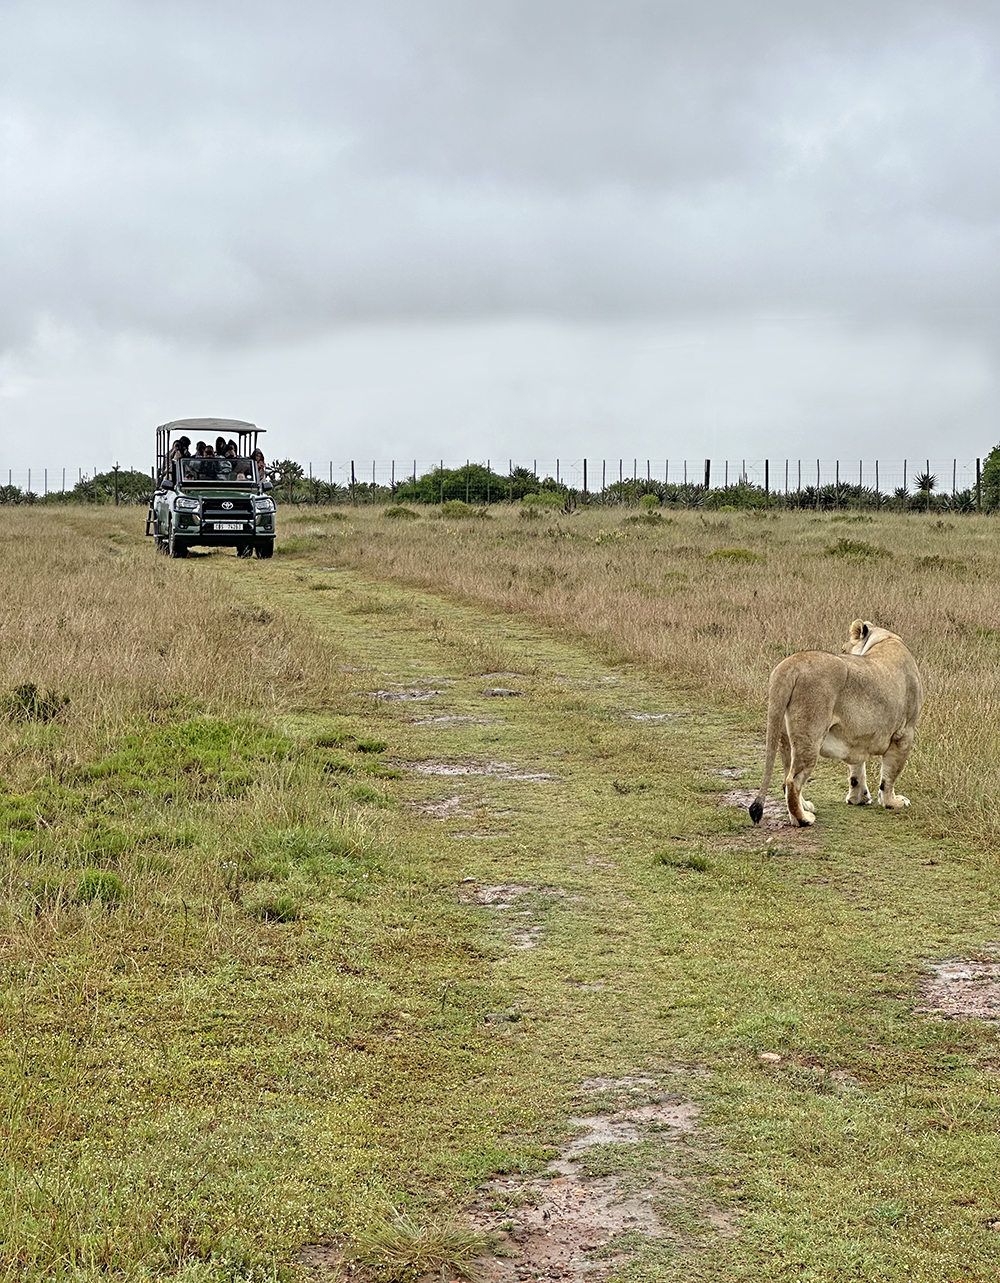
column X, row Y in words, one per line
column 220, row 446
column 232, row 450
column 258, row 458
column 179, row 450
column 199, row 450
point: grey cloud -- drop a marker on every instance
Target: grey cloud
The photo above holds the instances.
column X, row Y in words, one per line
column 220, row 172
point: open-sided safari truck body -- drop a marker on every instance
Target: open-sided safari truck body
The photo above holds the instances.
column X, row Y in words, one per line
column 214, row 502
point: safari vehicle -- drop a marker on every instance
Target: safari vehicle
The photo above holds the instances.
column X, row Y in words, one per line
column 214, row 502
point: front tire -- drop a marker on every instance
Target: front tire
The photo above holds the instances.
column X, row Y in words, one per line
column 244, row 550
column 264, row 548
column 176, row 547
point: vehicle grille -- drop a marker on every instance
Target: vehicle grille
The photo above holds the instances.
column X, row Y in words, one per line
column 213, row 511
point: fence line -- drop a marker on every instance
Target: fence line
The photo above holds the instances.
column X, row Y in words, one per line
column 776, row 477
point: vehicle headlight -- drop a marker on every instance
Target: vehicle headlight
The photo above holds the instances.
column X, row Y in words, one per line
column 188, row 505
column 263, row 505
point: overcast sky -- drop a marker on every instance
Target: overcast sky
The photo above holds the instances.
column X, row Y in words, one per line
column 528, row 228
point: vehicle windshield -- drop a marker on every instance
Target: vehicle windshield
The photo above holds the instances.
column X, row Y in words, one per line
column 218, row 469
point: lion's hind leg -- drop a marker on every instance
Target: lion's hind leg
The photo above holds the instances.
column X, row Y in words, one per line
column 893, row 761
column 800, row 811
column 857, row 794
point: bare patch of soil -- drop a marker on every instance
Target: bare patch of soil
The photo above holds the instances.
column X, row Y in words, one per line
column 574, row 1226
column 730, row 772
column 455, row 719
column 775, row 812
column 444, row 810
column 497, row 770
column 499, row 897
column 504, row 897
column 401, row 694
column 962, row 989
column 500, row 692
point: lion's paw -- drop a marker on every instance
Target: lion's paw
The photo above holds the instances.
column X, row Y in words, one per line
column 806, row 818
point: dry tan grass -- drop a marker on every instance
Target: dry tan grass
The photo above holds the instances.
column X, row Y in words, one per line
column 89, row 612
column 655, row 594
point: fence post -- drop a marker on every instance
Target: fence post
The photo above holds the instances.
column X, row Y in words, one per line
column 767, row 478
column 585, row 478
column 116, row 483
column 954, row 477
column 878, row 496
column 708, row 473
column 487, row 483
column 354, row 482
column 442, row 480
column 979, row 487
column 817, row 485
column 604, row 470
column 904, row 474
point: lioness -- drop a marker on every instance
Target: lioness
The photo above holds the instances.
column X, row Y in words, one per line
column 853, row 706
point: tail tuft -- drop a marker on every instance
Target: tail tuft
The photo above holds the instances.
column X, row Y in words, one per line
column 756, row 810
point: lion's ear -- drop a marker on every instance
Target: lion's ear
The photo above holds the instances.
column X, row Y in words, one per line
column 860, row 629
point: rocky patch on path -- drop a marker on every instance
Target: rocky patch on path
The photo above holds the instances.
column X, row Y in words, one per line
column 496, row 770
column 597, row 1208
column 962, row 989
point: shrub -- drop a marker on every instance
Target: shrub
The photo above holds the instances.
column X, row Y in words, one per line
column 858, row 549
column 399, row 513
column 459, row 510
column 544, row 499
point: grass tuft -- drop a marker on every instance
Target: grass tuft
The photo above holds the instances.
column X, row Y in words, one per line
column 98, row 884
column 396, row 1248
column 26, row 703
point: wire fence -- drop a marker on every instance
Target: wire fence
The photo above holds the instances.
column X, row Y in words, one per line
column 372, row 481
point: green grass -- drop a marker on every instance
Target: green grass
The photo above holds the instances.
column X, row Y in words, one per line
column 277, row 1032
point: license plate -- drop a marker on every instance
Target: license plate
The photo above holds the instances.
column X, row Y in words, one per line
column 229, row 525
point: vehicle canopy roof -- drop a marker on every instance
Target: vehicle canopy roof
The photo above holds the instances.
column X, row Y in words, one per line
column 218, row 426
column 248, row 434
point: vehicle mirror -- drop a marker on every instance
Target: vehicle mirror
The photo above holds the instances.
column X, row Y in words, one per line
column 267, row 484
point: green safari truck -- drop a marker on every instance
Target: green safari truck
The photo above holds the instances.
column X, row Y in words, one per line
column 213, row 501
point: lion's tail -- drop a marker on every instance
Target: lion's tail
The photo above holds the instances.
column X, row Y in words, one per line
column 779, row 692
